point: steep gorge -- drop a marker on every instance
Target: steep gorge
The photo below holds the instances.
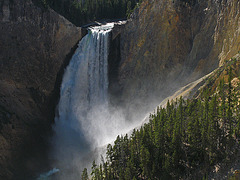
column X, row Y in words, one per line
column 164, row 45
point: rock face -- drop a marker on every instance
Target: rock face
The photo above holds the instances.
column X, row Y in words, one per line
column 164, row 45
column 169, row 43
column 35, row 45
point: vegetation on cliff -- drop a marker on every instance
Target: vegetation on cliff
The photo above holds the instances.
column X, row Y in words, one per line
column 84, row 11
column 185, row 137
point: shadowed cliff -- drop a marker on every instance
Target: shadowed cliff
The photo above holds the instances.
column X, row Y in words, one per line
column 35, row 46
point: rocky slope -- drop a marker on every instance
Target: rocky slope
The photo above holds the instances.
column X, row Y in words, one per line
column 209, row 82
column 167, row 44
column 35, row 45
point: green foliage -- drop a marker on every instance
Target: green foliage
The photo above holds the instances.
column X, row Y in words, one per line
column 84, row 11
column 178, row 140
column 185, row 137
column 84, row 174
column 43, row 4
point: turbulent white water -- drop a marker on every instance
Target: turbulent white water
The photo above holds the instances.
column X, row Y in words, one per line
column 84, row 121
column 85, row 83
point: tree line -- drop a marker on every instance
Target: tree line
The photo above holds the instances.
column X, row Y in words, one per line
column 184, row 137
column 81, row 12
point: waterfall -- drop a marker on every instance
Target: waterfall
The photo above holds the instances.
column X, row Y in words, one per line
column 85, row 82
column 84, row 122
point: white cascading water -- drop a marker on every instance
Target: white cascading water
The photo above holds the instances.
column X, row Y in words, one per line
column 84, row 122
column 85, row 84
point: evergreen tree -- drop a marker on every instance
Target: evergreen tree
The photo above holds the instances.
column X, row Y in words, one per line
column 83, row 12
column 181, row 138
column 85, row 174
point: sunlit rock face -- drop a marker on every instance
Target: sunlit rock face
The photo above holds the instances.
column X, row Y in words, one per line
column 34, row 44
column 166, row 44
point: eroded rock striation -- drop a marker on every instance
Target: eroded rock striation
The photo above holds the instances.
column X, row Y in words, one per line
column 168, row 43
column 35, row 45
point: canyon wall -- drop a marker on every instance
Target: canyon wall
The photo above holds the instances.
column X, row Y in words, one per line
column 35, row 46
column 168, row 43
column 164, row 45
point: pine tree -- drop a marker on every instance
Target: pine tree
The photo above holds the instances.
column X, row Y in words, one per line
column 84, row 174
column 145, row 162
column 184, row 136
column 95, row 171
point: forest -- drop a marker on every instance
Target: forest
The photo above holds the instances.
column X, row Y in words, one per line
column 184, row 138
column 81, row 12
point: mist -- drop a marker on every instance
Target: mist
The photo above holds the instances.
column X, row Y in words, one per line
column 85, row 122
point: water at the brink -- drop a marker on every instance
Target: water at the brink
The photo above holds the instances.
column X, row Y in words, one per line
column 84, row 122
